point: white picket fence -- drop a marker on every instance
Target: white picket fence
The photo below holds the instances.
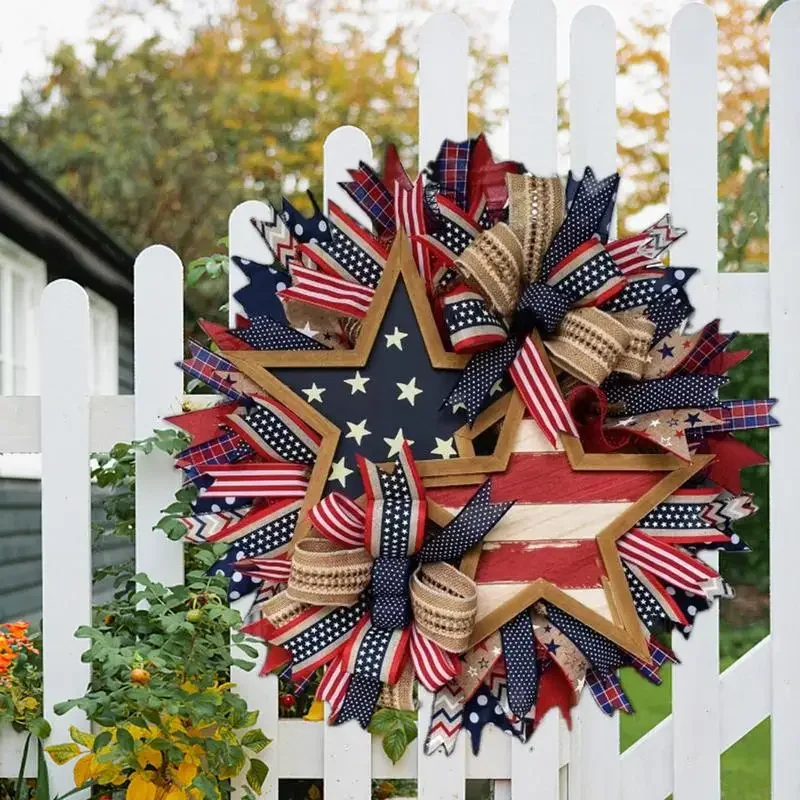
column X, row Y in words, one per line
column 710, row 712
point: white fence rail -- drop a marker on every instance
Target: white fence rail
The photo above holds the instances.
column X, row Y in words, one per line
column 710, row 712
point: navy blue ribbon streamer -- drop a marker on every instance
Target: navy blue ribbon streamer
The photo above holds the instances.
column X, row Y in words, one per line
column 519, row 654
column 676, row 391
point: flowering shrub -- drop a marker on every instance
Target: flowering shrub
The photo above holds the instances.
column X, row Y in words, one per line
column 171, row 726
column 21, row 679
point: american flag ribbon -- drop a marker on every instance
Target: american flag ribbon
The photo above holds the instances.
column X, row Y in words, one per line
column 680, row 519
column 352, row 253
column 409, row 206
column 276, row 433
column 470, row 323
column 276, row 481
column 372, row 197
column 433, row 665
column 669, row 563
column 642, row 249
column 274, row 569
column 267, row 333
column 540, row 392
column 396, row 510
column 333, row 686
column 330, row 292
column 339, row 519
column 314, row 634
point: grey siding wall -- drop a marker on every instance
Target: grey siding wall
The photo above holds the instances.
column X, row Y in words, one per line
column 125, row 355
column 21, row 550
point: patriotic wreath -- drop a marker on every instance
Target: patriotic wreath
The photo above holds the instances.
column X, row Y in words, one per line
column 472, row 446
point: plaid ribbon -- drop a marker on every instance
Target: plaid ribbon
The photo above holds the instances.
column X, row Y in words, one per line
column 738, row 415
column 205, row 366
column 451, row 169
column 372, row 196
column 607, row 691
column 711, row 344
column 659, row 655
column 227, row 448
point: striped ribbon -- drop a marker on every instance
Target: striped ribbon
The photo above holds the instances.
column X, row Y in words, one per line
column 332, row 293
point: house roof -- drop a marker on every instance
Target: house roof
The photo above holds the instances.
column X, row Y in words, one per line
column 48, row 224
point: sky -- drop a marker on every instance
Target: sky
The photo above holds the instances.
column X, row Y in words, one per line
column 25, row 38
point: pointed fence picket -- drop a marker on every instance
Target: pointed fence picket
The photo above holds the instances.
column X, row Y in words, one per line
column 680, row 756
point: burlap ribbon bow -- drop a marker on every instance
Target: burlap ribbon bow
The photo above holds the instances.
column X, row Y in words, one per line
column 388, row 609
column 546, row 272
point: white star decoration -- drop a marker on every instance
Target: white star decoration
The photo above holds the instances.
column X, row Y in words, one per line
column 314, row 393
column 357, row 383
column 444, row 448
column 497, row 386
column 308, row 331
column 623, row 423
column 408, row 391
column 396, row 443
column 339, row 472
column 395, row 339
column 357, row 432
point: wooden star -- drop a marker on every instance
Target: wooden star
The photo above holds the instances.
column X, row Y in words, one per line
column 467, row 467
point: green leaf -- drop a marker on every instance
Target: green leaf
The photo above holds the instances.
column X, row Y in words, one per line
column 42, row 778
column 21, row 777
column 256, row 774
column 125, row 740
column 395, row 744
column 206, row 786
column 101, row 740
column 61, row 753
column 39, row 727
column 255, row 740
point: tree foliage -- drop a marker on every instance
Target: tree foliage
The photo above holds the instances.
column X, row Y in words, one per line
column 743, row 94
column 160, row 141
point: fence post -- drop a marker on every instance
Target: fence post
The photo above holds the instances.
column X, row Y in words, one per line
column 443, row 54
column 594, row 770
column 348, row 748
column 693, row 201
column 261, row 692
column 443, row 50
column 158, row 385
column 66, row 507
column 784, row 382
column 533, row 130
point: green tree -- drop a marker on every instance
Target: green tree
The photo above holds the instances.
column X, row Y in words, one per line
column 160, row 141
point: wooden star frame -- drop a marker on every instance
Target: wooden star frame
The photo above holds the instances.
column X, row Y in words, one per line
column 508, row 411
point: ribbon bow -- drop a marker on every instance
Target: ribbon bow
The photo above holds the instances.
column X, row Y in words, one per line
column 387, row 607
column 545, row 274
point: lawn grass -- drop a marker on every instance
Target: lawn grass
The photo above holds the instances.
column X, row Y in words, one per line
column 745, row 766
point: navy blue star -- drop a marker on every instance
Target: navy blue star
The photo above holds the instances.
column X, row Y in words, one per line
column 552, row 646
column 693, row 419
column 666, row 352
column 396, row 391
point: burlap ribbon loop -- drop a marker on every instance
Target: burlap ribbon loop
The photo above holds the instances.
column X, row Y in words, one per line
column 504, row 265
column 325, row 575
column 444, row 602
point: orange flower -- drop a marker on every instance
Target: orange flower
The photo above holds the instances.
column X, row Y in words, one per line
column 17, row 630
